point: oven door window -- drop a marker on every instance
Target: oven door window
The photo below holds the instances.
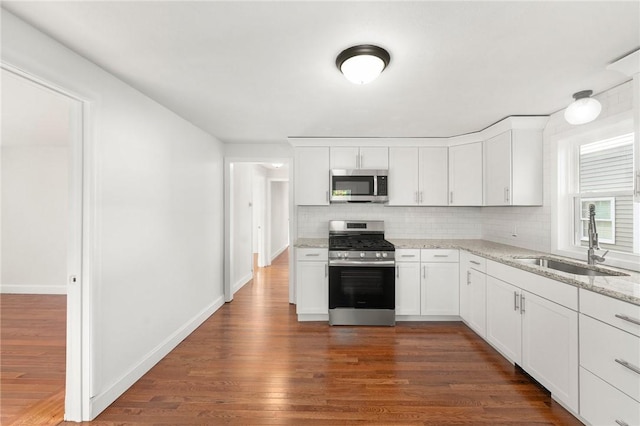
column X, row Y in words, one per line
column 352, row 185
column 361, row 287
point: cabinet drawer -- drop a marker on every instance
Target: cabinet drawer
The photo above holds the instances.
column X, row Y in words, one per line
column 602, row 404
column 471, row 261
column 439, row 255
column 408, row 255
column 556, row 291
column 623, row 315
column 604, row 350
column 319, row 254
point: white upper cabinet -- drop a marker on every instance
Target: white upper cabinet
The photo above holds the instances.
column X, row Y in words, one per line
column 418, row 176
column 465, row 175
column 376, row 158
column 513, row 168
column 312, row 176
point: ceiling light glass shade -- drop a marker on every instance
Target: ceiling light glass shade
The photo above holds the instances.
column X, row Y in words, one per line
column 584, row 109
column 362, row 64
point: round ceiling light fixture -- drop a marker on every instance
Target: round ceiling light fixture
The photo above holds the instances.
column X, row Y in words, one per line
column 584, row 109
column 362, row 64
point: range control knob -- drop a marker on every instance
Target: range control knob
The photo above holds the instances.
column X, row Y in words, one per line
column 384, row 254
column 361, row 254
column 377, row 254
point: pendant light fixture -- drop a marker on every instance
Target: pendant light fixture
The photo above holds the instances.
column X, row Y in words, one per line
column 584, row 109
column 362, row 64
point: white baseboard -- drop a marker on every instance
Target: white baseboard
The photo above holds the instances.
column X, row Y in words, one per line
column 279, row 252
column 32, row 289
column 241, row 283
column 104, row 399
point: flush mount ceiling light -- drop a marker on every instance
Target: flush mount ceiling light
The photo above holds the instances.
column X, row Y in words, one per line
column 584, row 109
column 362, row 64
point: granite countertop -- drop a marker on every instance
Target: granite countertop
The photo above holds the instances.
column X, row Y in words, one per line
column 622, row 287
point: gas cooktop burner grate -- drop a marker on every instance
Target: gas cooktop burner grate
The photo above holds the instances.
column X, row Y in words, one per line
column 363, row 244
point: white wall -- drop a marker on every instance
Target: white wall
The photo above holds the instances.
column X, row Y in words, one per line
column 157, row 217
column 533, row 224
column 279, row 217
column 34, row 188
column 241, row 224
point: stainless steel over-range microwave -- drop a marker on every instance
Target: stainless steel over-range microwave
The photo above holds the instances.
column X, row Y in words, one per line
column 359, row 186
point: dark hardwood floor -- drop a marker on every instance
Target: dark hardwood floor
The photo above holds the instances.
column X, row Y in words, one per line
column 253, row 363
column 32, row 358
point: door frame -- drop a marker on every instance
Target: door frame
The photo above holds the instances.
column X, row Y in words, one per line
column 79, row 260
column 228, row 295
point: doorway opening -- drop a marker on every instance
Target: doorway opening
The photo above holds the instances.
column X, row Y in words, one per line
column 257, row 211
column 40, row 250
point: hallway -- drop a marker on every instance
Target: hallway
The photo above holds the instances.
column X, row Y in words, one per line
column 253, row 363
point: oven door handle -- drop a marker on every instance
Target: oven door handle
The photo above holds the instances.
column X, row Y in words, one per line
column 381, row 263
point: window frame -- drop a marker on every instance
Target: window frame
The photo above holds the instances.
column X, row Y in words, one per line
column 563, row 186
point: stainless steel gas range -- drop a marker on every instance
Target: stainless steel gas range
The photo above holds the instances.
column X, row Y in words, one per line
column 361, row 274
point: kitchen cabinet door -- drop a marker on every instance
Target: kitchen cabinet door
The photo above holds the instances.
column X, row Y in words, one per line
column 465, row 175
column 550, row 347
column 439, row 292
column 408, row 288
column 504, row 321
column 513, row 168
column 477, row 302
column 345, row 157
column 403, row 176
column 433, row 176
column 375, row 157
column 312, row 280
column 497, row 170
column 312, row 176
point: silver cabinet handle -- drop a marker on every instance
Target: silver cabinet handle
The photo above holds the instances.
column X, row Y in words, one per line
column 357, row 161
column 440, row 255
column 475, row 262
column 312, row 254
column 622, row 423
column 415, row 197
column 424, row 272
column 326, row 270
column 522, row 303
column 451, row 197
column 515, row 301
column 420, row 197
column 638, row 182
column 468, row 277
column 327, row 193
column 506, row 194
column 628, row 318
column 397, row 271
column 407, row 255
column 361, row 161
column 628, row 365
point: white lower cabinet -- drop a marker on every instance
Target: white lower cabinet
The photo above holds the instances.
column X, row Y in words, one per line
column 473, row 292
column 408, row 287
column 427, row 282
column 504, row 319
column 532, row 331
column 609, row 360
column 603, row 404
column 312, row 281
column 550, row 347
column 439, row 288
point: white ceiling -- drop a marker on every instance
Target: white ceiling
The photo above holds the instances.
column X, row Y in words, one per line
column 262, row 71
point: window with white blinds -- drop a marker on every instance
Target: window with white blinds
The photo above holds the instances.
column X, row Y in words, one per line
column 605, row 179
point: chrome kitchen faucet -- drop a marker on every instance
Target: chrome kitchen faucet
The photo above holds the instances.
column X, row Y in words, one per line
column 593, row 258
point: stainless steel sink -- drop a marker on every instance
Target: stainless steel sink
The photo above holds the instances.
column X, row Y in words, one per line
column 570, row 268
